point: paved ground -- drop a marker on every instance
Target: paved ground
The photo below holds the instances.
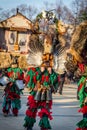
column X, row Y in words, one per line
column 64, row 110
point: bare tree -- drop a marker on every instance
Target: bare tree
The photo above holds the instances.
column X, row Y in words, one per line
column 0, row 13
column 83, row 10
column 31, row 12
column 59, row 9
column 28, row 11
column 62, row 11
column 22, row 8
column 48, row 6
column 67, row 15
column 79, row 10
column 13, row 11
column 5, row 14
column 73, row 16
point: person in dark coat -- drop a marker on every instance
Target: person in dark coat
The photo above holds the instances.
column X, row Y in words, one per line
column 61, row 83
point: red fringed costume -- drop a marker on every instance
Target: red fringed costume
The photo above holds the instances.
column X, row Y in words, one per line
column 12, row 91
column 82, row 93
column 41, row 83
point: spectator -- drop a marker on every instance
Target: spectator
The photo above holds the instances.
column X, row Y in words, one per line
column 61, row 83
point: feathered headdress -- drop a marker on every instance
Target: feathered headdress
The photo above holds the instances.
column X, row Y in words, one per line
column 43, row 54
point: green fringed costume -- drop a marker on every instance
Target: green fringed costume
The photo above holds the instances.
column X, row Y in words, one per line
column 12, row 92
column 41, row 85
column 82, row 93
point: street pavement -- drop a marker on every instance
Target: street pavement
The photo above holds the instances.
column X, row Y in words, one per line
column 64, row 111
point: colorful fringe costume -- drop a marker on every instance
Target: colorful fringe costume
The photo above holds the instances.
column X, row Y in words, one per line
column 82, row 93
column 41, row 85
column 12, row 92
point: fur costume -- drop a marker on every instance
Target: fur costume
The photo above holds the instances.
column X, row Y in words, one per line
column 77, row 63
column 82, row 93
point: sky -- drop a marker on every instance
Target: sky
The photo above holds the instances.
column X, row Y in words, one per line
column 8, row 4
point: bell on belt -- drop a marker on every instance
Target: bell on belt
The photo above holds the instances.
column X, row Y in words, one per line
column 43, row 96
column 4, row 80
column 38, row 96
column 48, row 95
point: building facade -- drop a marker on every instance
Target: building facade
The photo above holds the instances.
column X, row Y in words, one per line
column 15, row 33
